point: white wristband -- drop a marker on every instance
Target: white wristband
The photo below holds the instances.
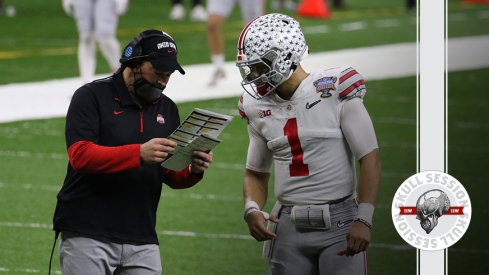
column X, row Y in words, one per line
column 252, row 206
column 366, row 211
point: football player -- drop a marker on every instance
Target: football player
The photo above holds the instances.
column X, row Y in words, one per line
column 218, row 11
column 96, row 22
column 313, row 127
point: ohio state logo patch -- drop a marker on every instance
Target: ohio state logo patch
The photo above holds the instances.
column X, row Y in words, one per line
column 160, row 119
column 431, row 210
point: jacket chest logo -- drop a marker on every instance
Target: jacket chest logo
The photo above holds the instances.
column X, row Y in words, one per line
column 160, row 119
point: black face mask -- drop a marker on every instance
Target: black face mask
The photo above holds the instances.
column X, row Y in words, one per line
column 146, row 92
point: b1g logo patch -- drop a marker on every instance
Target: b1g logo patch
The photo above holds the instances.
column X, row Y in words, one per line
column 431, row 210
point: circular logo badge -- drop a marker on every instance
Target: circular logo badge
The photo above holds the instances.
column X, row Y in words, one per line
column 431, row 210
column 128, row 52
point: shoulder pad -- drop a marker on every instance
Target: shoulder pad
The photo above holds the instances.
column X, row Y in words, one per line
column 351, row 84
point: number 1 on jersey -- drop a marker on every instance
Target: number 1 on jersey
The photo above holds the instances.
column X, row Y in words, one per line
column 297, row 167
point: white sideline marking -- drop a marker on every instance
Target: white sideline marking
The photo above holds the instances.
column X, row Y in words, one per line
column 167, row 194
column 28, row 270
column 26, row 225
column 192, row 234
column 205, row 235
column 387, row 23
column 24, row 101
column 483, row 14
column 25, row 154
column 316, row 29
column 472, row 125
column 353, row 26
column 457, row 17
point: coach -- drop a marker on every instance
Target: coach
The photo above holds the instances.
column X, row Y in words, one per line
column 116, row 131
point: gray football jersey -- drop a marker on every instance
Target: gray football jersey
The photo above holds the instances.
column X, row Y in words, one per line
column 303, row 137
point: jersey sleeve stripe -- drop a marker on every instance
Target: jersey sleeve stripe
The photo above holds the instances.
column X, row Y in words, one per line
column 347, row 75
column 352, row 87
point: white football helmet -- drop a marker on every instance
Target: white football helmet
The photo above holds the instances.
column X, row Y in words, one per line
column 269, row 49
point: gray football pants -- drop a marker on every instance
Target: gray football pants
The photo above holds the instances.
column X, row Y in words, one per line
column 81, row 255
column 311, row 252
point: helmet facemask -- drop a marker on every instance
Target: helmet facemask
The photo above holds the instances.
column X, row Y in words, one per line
column 260, row 78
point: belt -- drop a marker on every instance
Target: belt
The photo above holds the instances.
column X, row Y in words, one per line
column 332, row 204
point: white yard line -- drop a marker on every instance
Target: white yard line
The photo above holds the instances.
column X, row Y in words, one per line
column 204, row 235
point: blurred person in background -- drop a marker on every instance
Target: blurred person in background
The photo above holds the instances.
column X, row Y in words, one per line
column 197, row 14
column 284, row 5
column 411, row 5
column 96, row 21
column 338, row 4
column 218, row 11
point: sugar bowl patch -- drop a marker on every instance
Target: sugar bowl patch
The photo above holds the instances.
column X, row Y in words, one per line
column 325, row 85
column 431, row 210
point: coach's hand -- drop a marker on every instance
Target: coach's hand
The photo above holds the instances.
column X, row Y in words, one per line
column 257, row 225
column 358, row 239
column 200, row 161
column 156, row 150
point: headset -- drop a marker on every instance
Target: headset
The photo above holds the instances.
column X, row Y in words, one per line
column 132, row 54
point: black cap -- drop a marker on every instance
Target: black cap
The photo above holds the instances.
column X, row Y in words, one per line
column 160, row 50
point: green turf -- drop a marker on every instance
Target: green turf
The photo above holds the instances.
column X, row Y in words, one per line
column 468, row 132
column 33, row 158
column 33, row 163
column 212, row 207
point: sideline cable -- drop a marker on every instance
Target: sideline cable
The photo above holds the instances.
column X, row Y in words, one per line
column 56, row 234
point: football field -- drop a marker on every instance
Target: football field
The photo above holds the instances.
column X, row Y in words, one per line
column 201, row 230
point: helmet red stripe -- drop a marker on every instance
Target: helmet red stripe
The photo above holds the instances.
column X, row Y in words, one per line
column 242, row 35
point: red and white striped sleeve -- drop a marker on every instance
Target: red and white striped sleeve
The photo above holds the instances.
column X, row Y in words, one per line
column 351, row 84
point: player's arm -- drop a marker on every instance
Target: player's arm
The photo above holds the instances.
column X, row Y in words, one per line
column 255, row 187
column 359, row 132
column 369, row 179
column 255, row 191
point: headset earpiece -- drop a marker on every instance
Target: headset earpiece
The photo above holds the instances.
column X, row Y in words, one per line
column 132, row 54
